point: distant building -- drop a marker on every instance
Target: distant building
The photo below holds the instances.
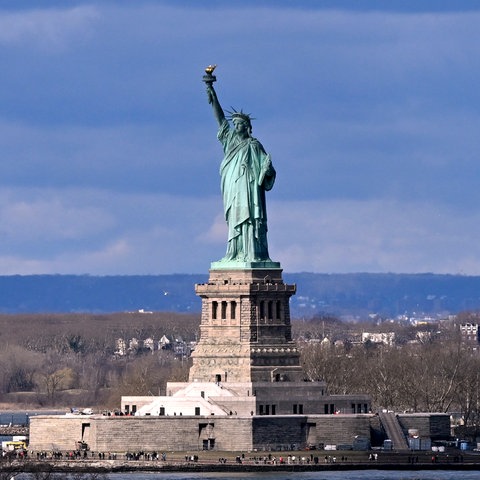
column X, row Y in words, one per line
column 164, row 343
column 379, row 338
column 470, row 336
column 133, row 345
column 120, row 347
column 149, row 344
column 422, row 336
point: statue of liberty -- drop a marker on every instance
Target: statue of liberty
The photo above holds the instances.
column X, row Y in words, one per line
column 246, row 173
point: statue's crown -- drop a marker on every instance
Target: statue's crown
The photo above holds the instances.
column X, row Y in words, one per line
column 232, row 115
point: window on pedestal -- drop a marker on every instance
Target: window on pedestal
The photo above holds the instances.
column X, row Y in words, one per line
column 298, row 409
column 262, row 309
column 85, row 431
column 233, row 309
column 278, row 310
column 267, row 409
column 270, row 310
column 214, row 310
column 224, row 310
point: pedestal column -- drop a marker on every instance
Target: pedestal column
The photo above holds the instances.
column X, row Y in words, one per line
column 245, row 330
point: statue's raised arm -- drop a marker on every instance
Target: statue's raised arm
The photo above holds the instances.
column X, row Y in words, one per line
column 246, row 174
column 209, row 78
column 213, row 100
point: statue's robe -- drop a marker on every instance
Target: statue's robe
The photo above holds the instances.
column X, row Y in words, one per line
column 246, row 173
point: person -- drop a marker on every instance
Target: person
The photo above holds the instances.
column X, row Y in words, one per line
column 246, row 174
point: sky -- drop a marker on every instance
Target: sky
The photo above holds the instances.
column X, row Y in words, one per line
column 109, row 159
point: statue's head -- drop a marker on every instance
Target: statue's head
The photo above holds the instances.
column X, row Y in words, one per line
column 241, row 117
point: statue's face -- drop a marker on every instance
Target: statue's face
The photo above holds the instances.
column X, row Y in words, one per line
column 241, row 127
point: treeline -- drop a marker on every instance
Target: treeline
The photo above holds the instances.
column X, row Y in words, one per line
column 429, row 368
column 69, row 359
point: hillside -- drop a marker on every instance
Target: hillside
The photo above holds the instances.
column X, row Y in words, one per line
column 354, row 294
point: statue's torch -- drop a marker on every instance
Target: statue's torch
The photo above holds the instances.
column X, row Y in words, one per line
column 208, row 78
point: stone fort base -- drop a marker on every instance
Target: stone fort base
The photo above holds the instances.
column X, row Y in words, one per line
column 232, row 433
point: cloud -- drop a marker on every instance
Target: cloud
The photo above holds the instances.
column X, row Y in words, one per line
column 217, row 232
column 50, row 219
column 100, row 232
column 374, row 236
column 51, row 30
column 132, row 157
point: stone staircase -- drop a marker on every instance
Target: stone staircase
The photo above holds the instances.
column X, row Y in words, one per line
column 393, row 430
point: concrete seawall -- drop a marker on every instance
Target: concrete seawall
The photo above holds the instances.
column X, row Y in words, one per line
column 304, row 462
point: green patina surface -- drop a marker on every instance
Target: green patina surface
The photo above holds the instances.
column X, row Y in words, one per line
column 238, row 264
column 246, row 173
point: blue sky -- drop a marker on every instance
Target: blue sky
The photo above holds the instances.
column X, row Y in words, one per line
column 109, row 157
